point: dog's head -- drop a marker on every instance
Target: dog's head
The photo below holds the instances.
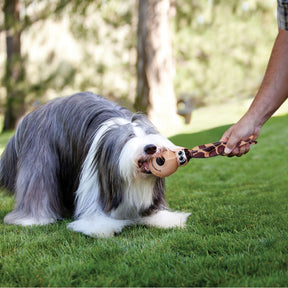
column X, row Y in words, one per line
column 135, row 155
column 126, row 147
column 145, row 142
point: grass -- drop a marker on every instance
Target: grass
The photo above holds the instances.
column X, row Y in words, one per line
column 237, row 234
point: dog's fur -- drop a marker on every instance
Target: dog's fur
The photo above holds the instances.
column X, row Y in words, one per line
column 86, row 156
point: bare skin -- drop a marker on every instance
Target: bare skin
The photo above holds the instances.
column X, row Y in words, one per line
column 271, row 95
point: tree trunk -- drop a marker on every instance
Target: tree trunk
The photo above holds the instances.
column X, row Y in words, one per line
column 14, row 75
column 155, row 91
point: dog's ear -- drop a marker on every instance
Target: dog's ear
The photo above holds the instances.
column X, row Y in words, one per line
column 106, row 161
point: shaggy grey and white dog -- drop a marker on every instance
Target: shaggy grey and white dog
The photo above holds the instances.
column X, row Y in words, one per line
column 86, row 156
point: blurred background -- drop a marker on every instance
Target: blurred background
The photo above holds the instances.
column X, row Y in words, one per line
column 201, row 59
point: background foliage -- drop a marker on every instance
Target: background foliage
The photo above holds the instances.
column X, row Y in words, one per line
column 221, row 48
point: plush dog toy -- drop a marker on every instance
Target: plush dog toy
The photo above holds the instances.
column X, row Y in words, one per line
column 168, row 162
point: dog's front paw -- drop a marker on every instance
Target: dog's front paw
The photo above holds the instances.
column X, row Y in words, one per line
column 99, row 226
column 166, row 219
column 86, row 228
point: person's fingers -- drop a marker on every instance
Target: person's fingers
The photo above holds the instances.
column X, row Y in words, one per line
column 233, row 152
column 242, row 130
column 225, row 138
column 247, row 148
column 240, row 150
column 232, row 144
column 243, row 149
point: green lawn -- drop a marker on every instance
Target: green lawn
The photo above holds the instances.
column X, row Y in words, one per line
column 237, row 234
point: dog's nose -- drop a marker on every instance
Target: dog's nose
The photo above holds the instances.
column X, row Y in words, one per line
column 150, row 149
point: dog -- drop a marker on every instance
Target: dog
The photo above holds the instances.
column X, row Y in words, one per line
column 86, row 157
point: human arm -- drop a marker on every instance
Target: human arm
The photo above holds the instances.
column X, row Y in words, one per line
column 272, row 93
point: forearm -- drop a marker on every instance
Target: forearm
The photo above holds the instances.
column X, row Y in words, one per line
column 274, row 88
column 272, row 93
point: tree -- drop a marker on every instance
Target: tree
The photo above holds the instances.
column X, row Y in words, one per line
column 15, row 71
column 14, row 79
column 155, row 92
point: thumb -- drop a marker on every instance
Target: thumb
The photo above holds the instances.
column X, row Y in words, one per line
column 231, row 143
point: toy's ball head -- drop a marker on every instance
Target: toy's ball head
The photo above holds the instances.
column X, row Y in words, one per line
column 167, row 163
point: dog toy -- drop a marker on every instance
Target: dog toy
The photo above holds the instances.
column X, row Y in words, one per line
column 168, row 162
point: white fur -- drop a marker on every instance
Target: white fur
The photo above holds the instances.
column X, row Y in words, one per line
column 166, row 219
column 29, row 221
column 98, row 225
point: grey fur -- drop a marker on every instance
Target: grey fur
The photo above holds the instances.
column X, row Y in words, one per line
column 42, row 162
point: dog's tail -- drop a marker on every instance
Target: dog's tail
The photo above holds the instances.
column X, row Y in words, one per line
column 8, row 166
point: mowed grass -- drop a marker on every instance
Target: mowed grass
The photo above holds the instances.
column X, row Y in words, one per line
column 237, row 234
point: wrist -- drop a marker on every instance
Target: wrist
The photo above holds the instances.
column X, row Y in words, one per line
column 253, row 118
column 249, row 125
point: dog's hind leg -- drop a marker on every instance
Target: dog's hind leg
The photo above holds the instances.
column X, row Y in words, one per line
column 36, row 192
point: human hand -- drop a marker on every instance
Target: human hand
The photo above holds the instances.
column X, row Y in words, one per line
column 242, row 130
